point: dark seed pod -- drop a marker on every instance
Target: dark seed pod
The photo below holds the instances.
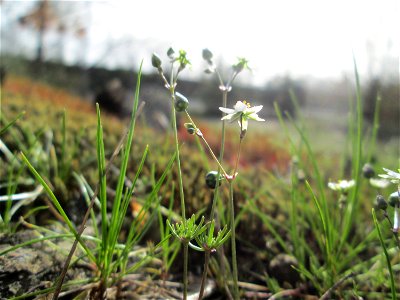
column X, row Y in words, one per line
column 394, row 199
column 368, row 171
column 211, row 179
column 181, row 102
column 381, row 202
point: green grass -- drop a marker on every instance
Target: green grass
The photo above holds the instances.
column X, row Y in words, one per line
column 340, row 251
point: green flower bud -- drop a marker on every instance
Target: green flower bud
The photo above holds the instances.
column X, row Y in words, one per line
column 181, row 102
column 394, row 199
column 381, row 202
column 171, row 53
column 156, row 61
column 368, row 171
column 207, row 55
column 241, row 64
column 183, row 61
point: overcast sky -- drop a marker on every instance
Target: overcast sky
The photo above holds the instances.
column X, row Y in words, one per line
column 309, row 37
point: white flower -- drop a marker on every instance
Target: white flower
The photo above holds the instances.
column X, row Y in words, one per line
column 379, row 183
column 394, row 177
column 342, row 185
column 242, row 111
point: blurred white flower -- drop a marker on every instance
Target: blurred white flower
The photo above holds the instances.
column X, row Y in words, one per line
column 242, row 111
column 394, row 177
column 379, row 183
column 342, row 185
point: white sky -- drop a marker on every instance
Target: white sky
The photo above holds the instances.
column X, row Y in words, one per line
column 307, row 37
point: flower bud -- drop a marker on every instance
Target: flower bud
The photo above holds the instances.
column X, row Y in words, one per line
column 207, row 55
column 171, row 53
column 211, row 179
column 394, row 199
column 368, row 171
column 183, row 61
column 181, row 102
column 381, row 202
column 240, row 65
column 156, row 61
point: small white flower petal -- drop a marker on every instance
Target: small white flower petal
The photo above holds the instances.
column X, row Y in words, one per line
column 227, row 110
column 255, row 109
column 244, row 124
column 379, row 183
column 232, row 117
column 394, row 177
column 332, row 186
column 227, row 117
column 240, row 106
column 341, row 185
column 255, row 117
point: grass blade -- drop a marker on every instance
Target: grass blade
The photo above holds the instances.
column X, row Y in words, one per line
column 392, row 285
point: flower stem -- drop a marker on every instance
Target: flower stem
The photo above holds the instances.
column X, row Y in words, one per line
column 207, row 145
column 204, row 278
column 185, row 269
column 178, row 160
column 221, row 153
column 233, row 241
column 238, row 155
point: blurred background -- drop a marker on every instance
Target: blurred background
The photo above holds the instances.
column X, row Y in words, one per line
column 93, row 49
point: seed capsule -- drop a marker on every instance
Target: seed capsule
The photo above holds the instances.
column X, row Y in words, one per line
column 211, row 179
column 190, row 128
column 207, row 55
column 381, row 202
column 368, row 171
column 171, row 53
column 156, row 61
column 181, row 102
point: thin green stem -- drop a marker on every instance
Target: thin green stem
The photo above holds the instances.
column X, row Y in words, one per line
column 238, row 156
column 221, row 153
column 204, row 278
column 233, row 241
column 178, row 159
column 185, row 269
column 198, row 132
column 213, row 215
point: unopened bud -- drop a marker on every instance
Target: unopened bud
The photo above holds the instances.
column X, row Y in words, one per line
column 207, row 55
column 241, row 64
column 381, row 202
column 156, row 61
column 171, row 53
column 368, row 171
